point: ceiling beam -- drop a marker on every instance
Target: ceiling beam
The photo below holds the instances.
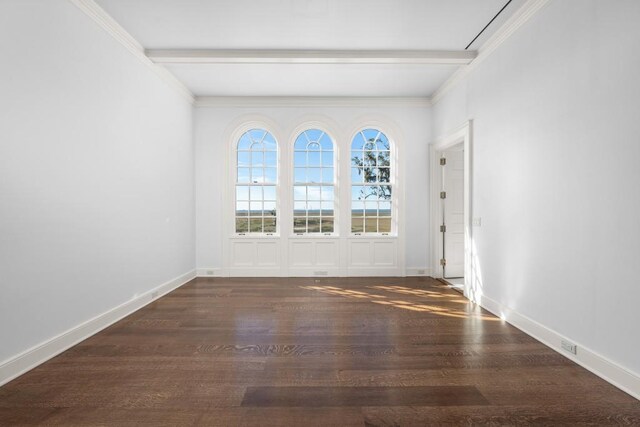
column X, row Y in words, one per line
column 268, row 56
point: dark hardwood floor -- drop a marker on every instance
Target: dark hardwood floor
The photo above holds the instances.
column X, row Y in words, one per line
column 303, row 352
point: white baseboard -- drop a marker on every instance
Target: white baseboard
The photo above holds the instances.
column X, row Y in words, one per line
column 418, row 271
column 210, row 272
column 609, row 371
column 29, row 359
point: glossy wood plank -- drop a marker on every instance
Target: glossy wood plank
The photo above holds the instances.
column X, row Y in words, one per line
column 346, row 351
column 363, row 396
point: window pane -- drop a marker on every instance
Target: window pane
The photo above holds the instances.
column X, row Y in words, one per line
column 369, row 175
column 384, row 209
column 326, row 143
column 244, row 158
column 314, row 134
column 327, row 209
column 313, row 224
column 313, row 158
column 299, row 208
column 270, row 175
column 357, row 192
column 271, row 159
column 371, row 209
column 357, row 208
column 371, row 225
column 256, row 193
column 269, row 143
column 384, row 225
column 300, row 192
column 369, row 158
column 242, row 192
column 327, row 225
column 356, row 158
column 245, row 142
column 313, row 192
column 313, row 208
column 257, row 175
column 242, row 208
column 269, row 208
column 300, row 158
column 358, row 141
column 242, row 225
column 384, row 158
column 255, row 225
column 384, row 175
column 357, row 225
column 313, row 175
column 327, row 158
column 257, row 158
column 269, row 192
column 270, row 225
column 327, row 175
column 243, row 175
column 384, row 192
column 301, row 143
column 300, row 225
column 256, row 209
column 356, row 175
column 300, row 175
column 327, row 192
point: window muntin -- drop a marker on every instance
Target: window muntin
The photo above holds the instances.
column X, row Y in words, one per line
column 256, row 180
column 371, row 184
column 313, row 183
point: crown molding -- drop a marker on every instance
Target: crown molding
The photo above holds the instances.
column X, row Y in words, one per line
column 311, row 101
column 522, row 15
column 296, row 56
column 107, row 23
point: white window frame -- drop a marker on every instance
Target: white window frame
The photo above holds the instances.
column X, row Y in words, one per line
column 233, row 175
column 334, row 183
column 393, row 180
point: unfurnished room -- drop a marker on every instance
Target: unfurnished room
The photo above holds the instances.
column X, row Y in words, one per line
column 319, row 212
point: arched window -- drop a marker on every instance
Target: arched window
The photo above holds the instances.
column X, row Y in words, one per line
column 313, row 183
column 371, row 183
column 256, row 179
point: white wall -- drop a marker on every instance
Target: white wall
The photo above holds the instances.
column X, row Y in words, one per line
column 213, row 124
column 96, row 174
column 556, row 170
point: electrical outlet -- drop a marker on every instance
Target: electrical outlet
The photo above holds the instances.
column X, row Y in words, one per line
column 569, row 346
column 209, row 272
column 477, row 222
column 321, row 273
column 421, row 272
column 154, row 294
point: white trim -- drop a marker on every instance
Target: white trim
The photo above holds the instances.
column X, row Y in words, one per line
column 310, row 101
column 104, row 20
column 625, row 380
column 211, row 272
column 418, row 271
column 462, row 134
column 29, row 359
column 297, row 56
column 522, row 15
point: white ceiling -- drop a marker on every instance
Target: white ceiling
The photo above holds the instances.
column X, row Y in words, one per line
column 309, row 24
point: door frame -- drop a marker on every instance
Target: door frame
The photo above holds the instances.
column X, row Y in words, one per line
column 462, row 134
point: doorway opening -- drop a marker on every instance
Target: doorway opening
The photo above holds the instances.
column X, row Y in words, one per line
column 451, row 208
